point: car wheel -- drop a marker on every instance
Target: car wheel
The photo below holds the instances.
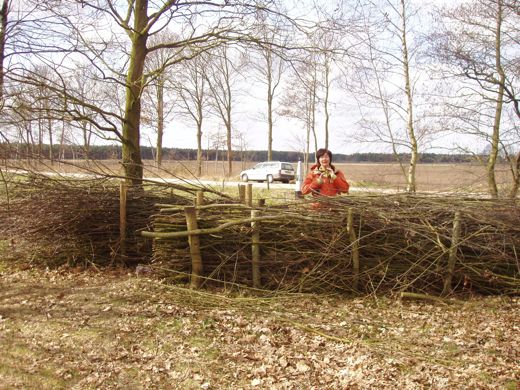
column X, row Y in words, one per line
column 270, row 178
column 244, row 178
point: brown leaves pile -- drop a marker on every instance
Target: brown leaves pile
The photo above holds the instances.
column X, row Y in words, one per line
column 62, row 329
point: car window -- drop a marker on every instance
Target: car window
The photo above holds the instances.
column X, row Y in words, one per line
column 258, row 166
column 287, row 167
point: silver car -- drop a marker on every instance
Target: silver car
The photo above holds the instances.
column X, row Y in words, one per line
column 269, row 171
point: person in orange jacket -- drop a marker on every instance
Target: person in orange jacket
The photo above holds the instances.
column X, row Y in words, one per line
column 324, row 179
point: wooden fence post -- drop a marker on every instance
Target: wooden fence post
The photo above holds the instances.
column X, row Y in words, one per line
column 123, row 190
column 242, row 193
column 200, row 198
column 249, row 195
column 194, row 242
column 255, row 248
column 452, row 257
column 354, row 247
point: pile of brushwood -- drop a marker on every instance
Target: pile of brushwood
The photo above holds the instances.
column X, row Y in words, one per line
column 395, row 243
column 56, row 221
column 358, row 244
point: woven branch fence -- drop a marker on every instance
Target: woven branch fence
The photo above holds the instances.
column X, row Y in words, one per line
column 354, row 244
column 350, row 244
column 78, row 222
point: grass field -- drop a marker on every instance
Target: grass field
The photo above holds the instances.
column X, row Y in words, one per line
column 455, row 178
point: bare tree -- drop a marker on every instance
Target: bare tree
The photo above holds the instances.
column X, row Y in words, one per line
column 328, row 45
column 241, row 144
column 217, row 141
column 4, row 20
column 115, row 37
column 222, row 75
column 410, row 182
column 300, row 100
column 383, row 82
column 156, row 104
column 269, row 65
column 191, row 88
column 87, row 89
column 477, row 41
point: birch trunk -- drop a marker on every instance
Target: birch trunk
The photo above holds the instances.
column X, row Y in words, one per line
column 160, row 119
column 410, row 178
column 495, row 137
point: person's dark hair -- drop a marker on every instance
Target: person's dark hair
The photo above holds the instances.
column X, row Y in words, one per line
column 321, row 152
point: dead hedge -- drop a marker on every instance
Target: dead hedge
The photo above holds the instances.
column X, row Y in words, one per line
column 77, row 222
column 403, row 243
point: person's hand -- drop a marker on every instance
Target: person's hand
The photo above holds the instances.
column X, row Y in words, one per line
column 329, row 172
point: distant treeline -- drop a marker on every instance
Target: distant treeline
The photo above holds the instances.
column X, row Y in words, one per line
column 111, row 152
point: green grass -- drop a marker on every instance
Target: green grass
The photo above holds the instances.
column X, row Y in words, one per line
column 27, row 368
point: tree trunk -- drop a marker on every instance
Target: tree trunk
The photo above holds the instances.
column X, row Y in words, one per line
column 30, row 143
column 61, row 152
column 495, row 138
column 495, row 141
column 229, row 146
column 4, row 15
column 131, row 148
column 326, row 104
column 269, row 124
column 160, row 119
column 199, row 144
column 410, row 179
column 40, row 137
column 313, row 115
column 269, row 107
column 386, row 110
column 86, row 139
column 51, row 143
column 307, row 146
column 516, row 176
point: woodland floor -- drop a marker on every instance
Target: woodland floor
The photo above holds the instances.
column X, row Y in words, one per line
column 69, row 329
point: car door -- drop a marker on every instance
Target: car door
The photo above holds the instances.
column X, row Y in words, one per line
column 258, row 172
column 272, row 170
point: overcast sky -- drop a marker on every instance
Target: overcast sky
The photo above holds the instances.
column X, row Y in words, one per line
column 289, row 134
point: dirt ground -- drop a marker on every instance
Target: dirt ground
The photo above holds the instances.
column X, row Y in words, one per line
column 71, row 329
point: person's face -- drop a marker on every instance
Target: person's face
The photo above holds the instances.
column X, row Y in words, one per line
column 325, row 160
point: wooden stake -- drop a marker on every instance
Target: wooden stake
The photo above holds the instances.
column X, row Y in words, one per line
column 194, row 242
column 242, row 193
column 255, row 248
column 249, row 195
column 198, row 201
column 123, row 189
column 200, row 198
column 452, row 257
column 354, row 247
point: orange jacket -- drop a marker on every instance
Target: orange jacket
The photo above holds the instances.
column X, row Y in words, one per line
column 321, row 183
